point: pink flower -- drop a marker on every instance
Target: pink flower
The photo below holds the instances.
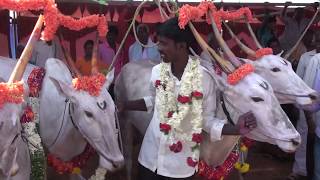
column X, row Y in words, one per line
column 170, row 114
column 184, row 99
column 191, row 162
column 176, row 147
column 165, row 128
column 196, row 137
column 158, row 83
column 197, row 94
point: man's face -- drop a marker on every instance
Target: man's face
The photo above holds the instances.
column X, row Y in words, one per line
column 168, row 49
column 143, row 35
column 88, row 49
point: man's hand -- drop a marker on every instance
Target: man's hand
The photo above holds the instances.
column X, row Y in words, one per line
column 246, row 123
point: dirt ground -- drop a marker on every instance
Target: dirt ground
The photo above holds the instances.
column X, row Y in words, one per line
column 267, row 163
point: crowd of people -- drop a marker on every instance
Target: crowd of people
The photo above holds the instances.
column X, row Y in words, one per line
column 305, row 60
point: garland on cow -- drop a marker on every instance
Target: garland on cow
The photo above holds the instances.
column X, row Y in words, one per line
column 30, row 122
column 30, row 125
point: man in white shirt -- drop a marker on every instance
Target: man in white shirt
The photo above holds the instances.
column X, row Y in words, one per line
column 163, row 158
column 137, row 52
column 300, row 164
column 44, row 50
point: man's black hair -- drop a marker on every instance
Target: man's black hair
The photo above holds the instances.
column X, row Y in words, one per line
column 170, row 29
column 113, row 29
column 88, row 42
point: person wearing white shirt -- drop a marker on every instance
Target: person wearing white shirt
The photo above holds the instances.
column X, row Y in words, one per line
column 312, row 78
column 160, row 158
column 300, row 164
column 137, row 52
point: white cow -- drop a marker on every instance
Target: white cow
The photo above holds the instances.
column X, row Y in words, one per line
column 91, row 119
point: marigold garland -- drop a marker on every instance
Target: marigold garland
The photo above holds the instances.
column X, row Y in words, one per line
column 53, row 18
column 91, row 84
column 232, row 161
column 73, row 166
column 219, row 172
column 11, row 93
column 29, row 121
column 188, row 13
column 240, row 73
column 262, row 52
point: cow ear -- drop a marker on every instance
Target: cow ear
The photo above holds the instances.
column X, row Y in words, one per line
column 64, row 89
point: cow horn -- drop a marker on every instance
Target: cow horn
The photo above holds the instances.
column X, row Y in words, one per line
column 245, row 48
column 222, row 43
column 21, row 65
column 224, row 64
column 70, row 62
column 253, row 35
column 94, row 60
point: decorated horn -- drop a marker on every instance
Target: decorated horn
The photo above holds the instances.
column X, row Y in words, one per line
column 94, row 60
column 21, row 65
column 222, row 43
column 70, row 62
column 245, row 48
column 253, row 35
column 224, row 64
column 302, row 35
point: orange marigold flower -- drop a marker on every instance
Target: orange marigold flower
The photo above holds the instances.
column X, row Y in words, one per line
column 11, row 93
column 240, row 73
column 263, row 52
column 91, row 84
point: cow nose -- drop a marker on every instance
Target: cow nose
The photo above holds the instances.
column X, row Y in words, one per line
column 117, row 164
column 314, row 96
column 295, row 142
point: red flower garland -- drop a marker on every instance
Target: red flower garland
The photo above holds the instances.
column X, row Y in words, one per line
column 176, row 147
column 91, row 84
column 191, row 162
column 165, row 128
column 197, row 95
column 35, row 81
column 262, row 52
column 222, row 171
column 53, row 18
column 27, row 115
column 64, row 167
column 11, row 93
column 219, row 172
column 197, row 137
column 240, row 73
column 184, row 99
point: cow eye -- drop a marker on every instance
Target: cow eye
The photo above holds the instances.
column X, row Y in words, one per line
column 88, row 114
column 275, row 69
column 257, row 99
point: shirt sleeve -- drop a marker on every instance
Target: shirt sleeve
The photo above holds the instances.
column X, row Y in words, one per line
column 211, row 124
column 150, row 99
column 301, row 66
column 312, row 70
